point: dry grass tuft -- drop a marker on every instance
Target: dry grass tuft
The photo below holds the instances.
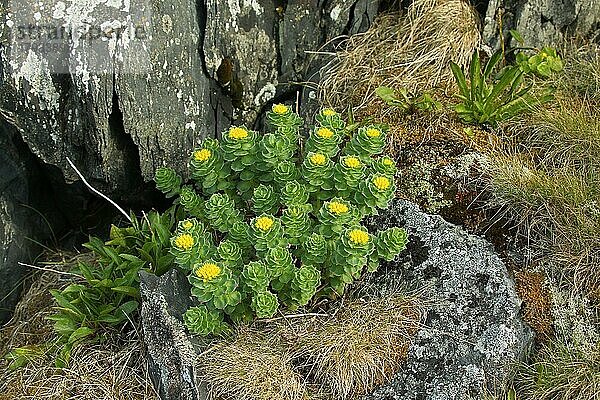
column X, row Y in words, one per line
column 537, row 303
column 113, row 369
column 411, row 51
column 253, row 365
column 363, row 345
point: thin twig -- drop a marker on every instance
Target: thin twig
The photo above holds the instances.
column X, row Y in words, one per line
column 293, row 316
column 98, row 192
column 49, row 270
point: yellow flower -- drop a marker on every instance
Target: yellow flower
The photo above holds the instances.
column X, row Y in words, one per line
column 325, row 133
column 388, row 162
column 264, row 223
column 184, row 242
column 328, row 112
column 208, row 271
column 238, row 133
column 187, row 225
column 337, row 208
column 372, row 132
column 202, row 155
column 358, row 236
column 381, row 182
column 280, row 109
column 318, row 159
column 352, row 162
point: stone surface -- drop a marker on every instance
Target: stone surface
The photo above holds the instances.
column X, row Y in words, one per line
column 542, row 22
column 171, row 355
column 473, row 333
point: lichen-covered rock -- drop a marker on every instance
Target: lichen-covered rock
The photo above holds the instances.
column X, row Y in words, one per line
column 542, row 22
column 171, row 355
column 473, row 333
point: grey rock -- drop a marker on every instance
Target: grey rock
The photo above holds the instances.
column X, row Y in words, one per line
column 473, row 333
column 542, row 22
column 171, row 354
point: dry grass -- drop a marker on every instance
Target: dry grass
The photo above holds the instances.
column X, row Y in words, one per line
column 537, row 303
column 251, row 366
column 548, row 182
column 362, row 346
column 113, row 369
column 310, row 357
column 410, row 50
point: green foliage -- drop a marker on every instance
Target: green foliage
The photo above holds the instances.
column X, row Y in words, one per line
column 109, row 290
column 487, row 99
column 272, row 222
column 543, row 64
column 407, row 102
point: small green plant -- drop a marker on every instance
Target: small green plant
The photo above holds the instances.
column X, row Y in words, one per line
column 109, row 289
column 274, row 222
column 543, row 63
column 407, row 102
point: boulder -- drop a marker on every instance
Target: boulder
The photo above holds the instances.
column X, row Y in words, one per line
column 473, row 333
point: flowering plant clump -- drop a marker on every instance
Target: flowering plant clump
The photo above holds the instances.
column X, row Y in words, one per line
column 271, row 222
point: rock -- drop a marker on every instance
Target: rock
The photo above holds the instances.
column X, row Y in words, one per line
column 542, row 22
column 473, row 333
column 171, row 355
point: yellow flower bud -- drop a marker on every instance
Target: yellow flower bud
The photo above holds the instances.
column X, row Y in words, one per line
column 325, row 133
column 280, row 109
column 318, row 159
column 358, row 236
column 202, row 155
column 238, row 133
column 381, row 182
column 328, row 112
column 187, row 225
column 372, row 132
column 208, row 271
column 184, row 242
column 337, row 208
column 352, row 162
column 264, row 223
column 388, row 162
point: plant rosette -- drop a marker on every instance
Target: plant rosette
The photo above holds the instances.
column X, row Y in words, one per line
column 375, row 192
column 366, row 142
column 214, row 285
column 335, row 216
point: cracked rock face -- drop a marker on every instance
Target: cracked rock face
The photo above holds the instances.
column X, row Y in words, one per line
column 472, row 336
column 542, row 22
column 473, row 333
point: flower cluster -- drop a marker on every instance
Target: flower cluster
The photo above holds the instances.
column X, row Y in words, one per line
column 271, row 222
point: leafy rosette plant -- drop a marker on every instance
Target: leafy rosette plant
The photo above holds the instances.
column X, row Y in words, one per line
column 256, row 276
column 348, row 172
column 385, row 166
column 390, row 243
column 335, row 215
column 305, row 283
column 375, row 192
column 266, row 232
column 264, row 200
column 191, row 202
column 296, row 221
column 273, row 221
column 167, row 181
column 294, row 193
column 202, row 321
column 329, row 118
column 317, row 171
column 221, row 212
column 214, row 285
column 208, row 169
column 324, row 140
column 366, row 142
column 280, row 266
column 284, row 121
column 350, row 255
column 314, row 250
